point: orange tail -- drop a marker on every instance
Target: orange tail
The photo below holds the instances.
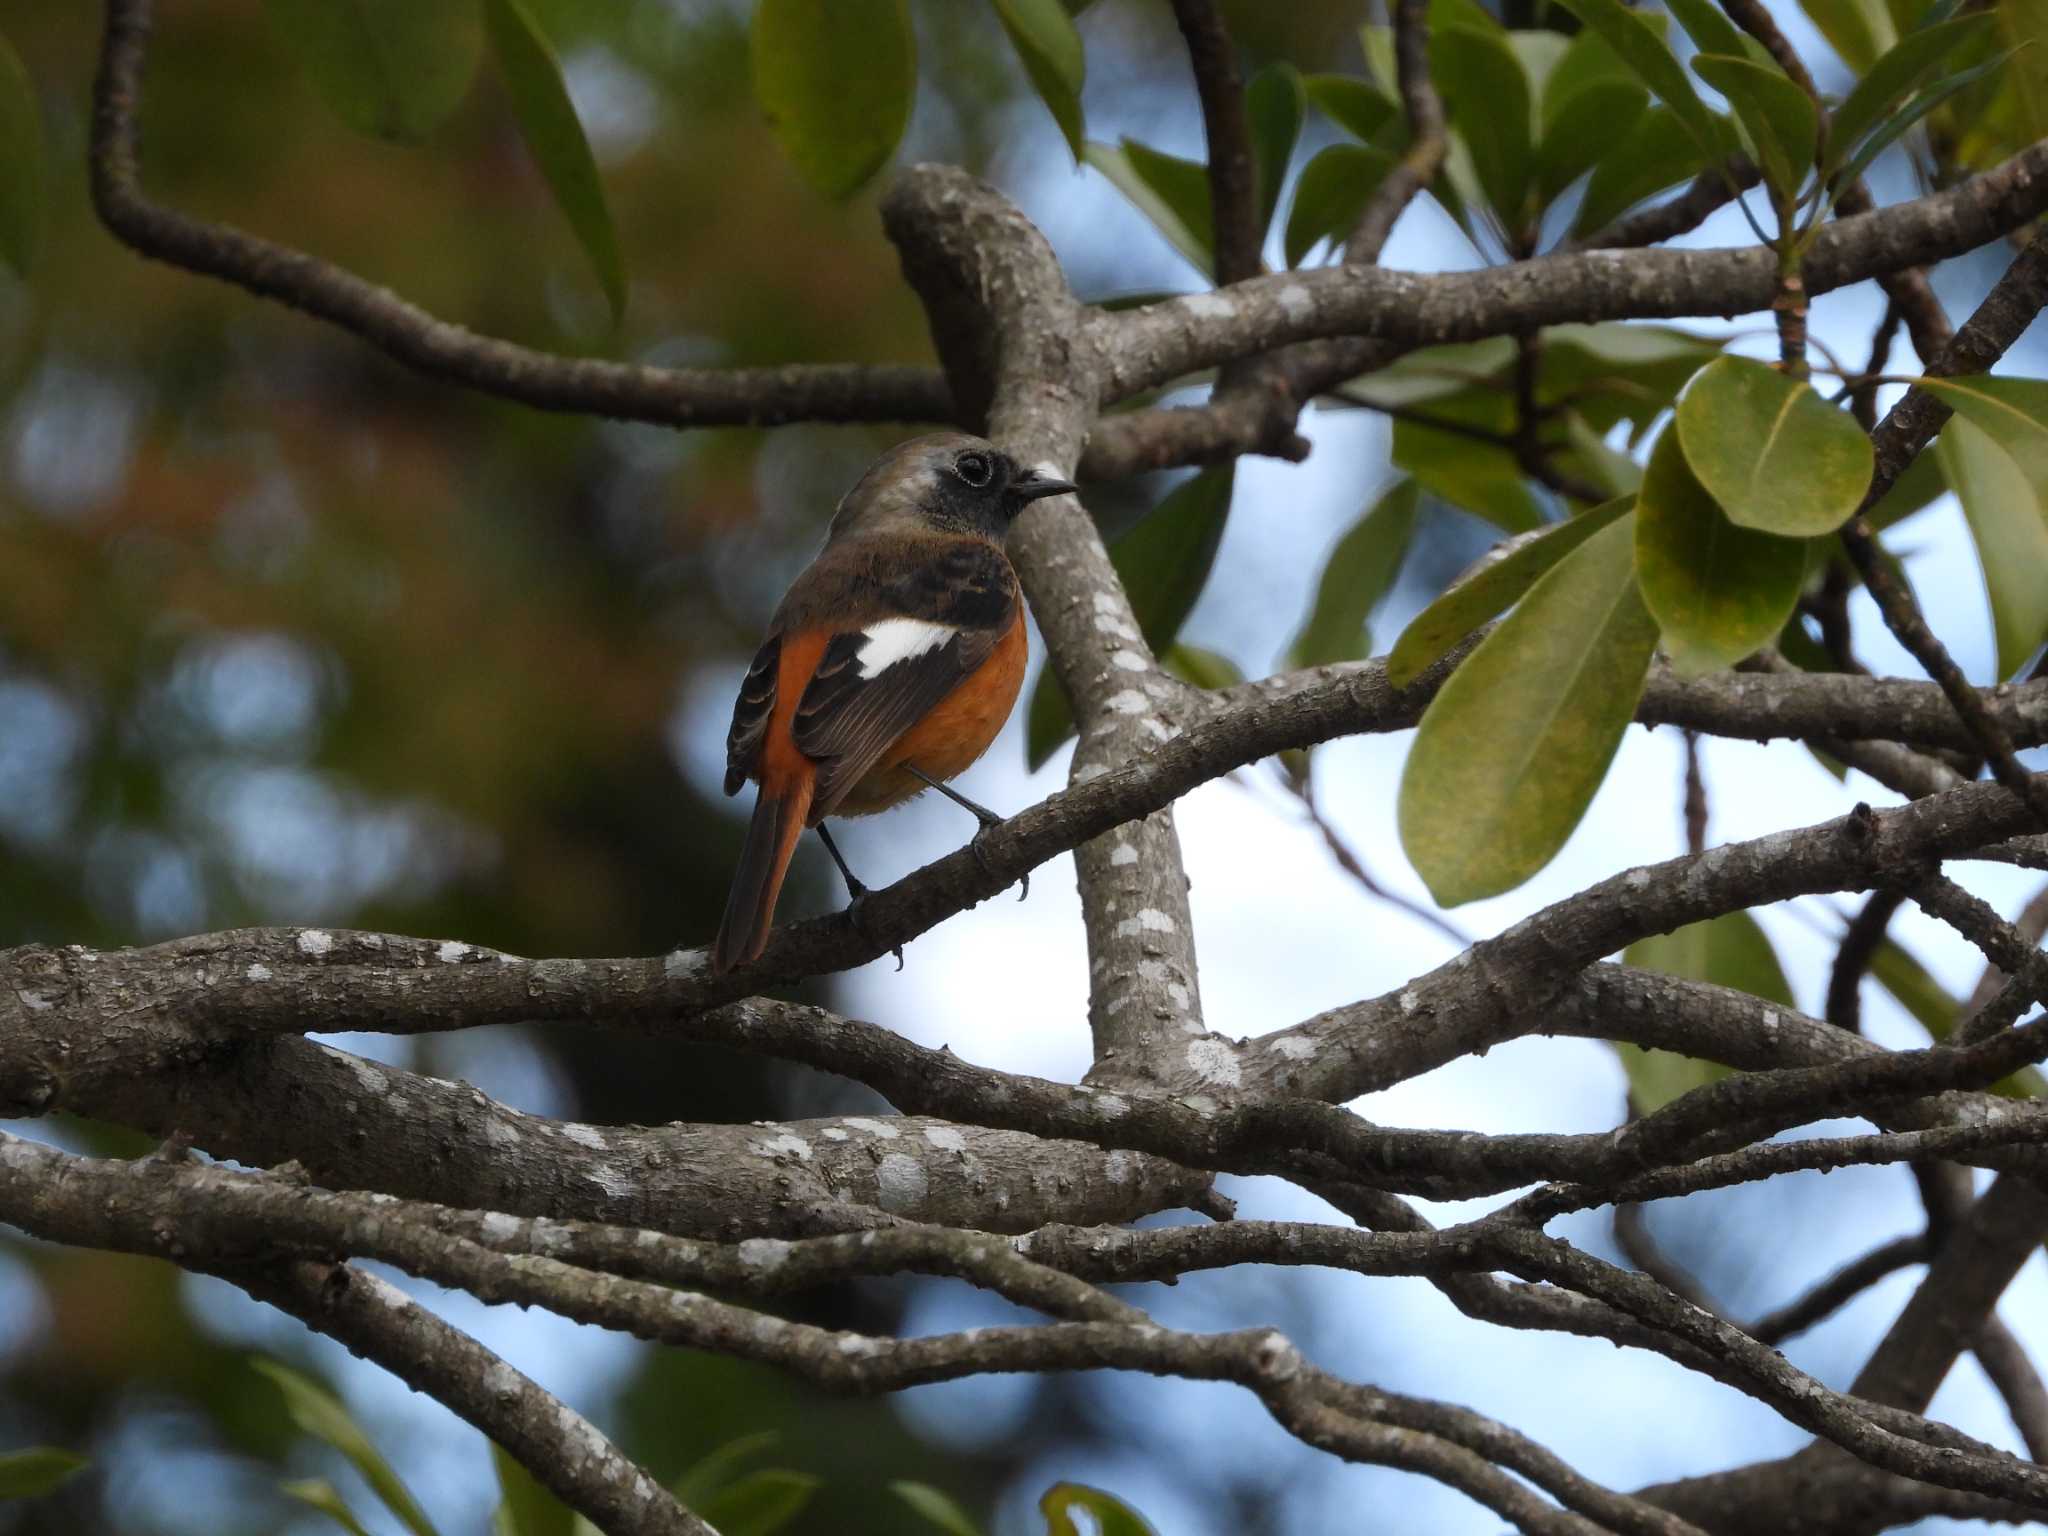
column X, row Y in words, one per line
column 771, row 840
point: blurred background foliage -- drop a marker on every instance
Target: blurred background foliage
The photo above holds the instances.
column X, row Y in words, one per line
column 290, row 634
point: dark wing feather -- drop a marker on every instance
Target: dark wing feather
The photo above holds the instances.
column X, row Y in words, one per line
column 750, row 712
column 846, row 721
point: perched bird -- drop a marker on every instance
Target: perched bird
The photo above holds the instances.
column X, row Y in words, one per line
column 889, row 667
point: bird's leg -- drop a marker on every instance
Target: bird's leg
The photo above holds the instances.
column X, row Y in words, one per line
column 989, row 819
column 856, row 893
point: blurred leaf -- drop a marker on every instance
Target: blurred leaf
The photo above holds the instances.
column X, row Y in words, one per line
column 1918, row 487
column 1906, row 979
column 1776, row 456
column 1112, row 1517
column 1904, row 69
column 1201, row 668
column 319, row 1413
column 1487, row 97
column 1896, row 125
column 1727, row 951
column 1163, row 562
column 1467, row 475
column 1608, row 468
column 1043, row 35
column 394, row 69
column 1356, row 577
column 1655, row 1078
column 36, row 1470
column 1590, row 102
column 1657, row 153
column 715, row 1468
column 1491, row 588
column 759, row 1504
column 1636, row 42
column 2009, row 527
column 21, row 163
column 1173, row 193
column 837, row 79
column 554, row 136
column 525, row 1507
column 1357, row 106
column 323, row 1496
column 1718, row 592
column 1709, row 27
column 1781, row 119
column 1858, row 30
column 935, row 1508
column 1330, row 194
column 1275, row 103
column 1512, row 749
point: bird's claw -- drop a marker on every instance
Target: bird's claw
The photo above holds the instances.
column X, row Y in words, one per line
column 856, row 908
column 988, row 825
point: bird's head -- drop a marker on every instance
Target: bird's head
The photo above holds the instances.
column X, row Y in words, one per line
column 949, row 481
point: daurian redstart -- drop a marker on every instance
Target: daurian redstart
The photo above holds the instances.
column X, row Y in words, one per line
column 889, row 667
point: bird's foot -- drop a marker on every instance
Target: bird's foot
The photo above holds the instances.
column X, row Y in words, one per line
column 989, row 822
column 856, row 910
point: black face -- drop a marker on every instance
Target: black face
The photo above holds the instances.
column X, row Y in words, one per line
column 984, row 488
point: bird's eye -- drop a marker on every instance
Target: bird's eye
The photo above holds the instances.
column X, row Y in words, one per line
column 974, row 468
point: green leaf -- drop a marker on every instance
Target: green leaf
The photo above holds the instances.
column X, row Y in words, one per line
column 1726, row 951
column 1111, row 1516
column 321, row 1494
column 1163, row 562
column 1589, row 456
column 1487, row 482
column 1709, row 27
column 525, row 1507
column 759, row 1504
column 1173, row 193
column 2009, row 527
column 1718, row 592
column 716, row 1467
column 393, row 69
column 1776, row 456
column 1512, row 749
column 1330, row 194
column 1487, row 97
column 1780, row 118
column 836, row 78
column 1275, row 103
column 1858, row 30
column 1590, row 103
column 1357, row 106
column 1201, row 668
column 1636, row 42
column 1918, row 488
column 1657, row 153
column 547, row 121
column 1906, row 979
column 1490, row 588
column 1897, row 124
column 37, row 1470
column 1043, row 34
column 1891, row 79
column 21, row 163
column 935, row 1508
column 1356, row 577
column 317, row 1412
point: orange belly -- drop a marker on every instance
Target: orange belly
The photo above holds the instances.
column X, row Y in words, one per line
column 949, row 739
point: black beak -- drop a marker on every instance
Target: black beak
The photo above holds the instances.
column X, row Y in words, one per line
column 1030, row 486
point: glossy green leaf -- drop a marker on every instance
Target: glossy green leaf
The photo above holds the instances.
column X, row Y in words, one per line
column 1171, row 192
column 1636, row 42
column 1718, row 592
column 1045, row 39
column 716, row 1467
column 1109, row 1515
column 1466, row 474
column 1726, row 951
column 1489, row 589
column 394, row 69
column 759, row 1504
column 1357, row 575
column 1487, row 98
column 1858, row 30
column 1782, row 122
column 1357, row 106
column 1163, row 562
column 525, row 1507
column 317, row 1412
column 323, row 1496
column 1330, row 194
column 1513, row 747
column 1275, row 103
column 21, row 163
column 1202, row 668
column 1709, row 27
column 836, row 78
column 1657, row 153
column 37, row 1470
column 1590, row 104
column 1903, row 70
column 2009, row 526
column 935, row 1508
column 547, row 121
column 1776, row 456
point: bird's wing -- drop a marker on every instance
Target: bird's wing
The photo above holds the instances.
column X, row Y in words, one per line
column 750, row 712
column 938, row 613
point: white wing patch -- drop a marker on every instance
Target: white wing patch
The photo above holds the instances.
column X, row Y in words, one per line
column 892, row 640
